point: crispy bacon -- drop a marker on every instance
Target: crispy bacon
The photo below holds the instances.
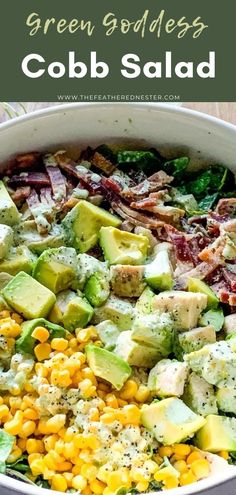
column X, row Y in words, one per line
column 150, row 185
column 30, row 179
column 57, row 181
column 179, row 241
column 102, row 163
column 230, row 278
column 20, row 194
column 226, row 206
column 146, row 220
column 201, row 271
column 110, row 184
column 22, row 162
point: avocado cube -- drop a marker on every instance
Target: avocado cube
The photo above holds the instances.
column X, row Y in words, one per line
column 159, row 273
column 218, row 433
column 108, row 366
column 193, row 340
column 124, row 248
column 72, row 310
column 4, row 279
column 108, row 334
column 97, row 289
column 119, row 311
column 83, row 222
column 127, row 280
column 213, row 317
column 26, row 343
column 170, row 420
column 56, row 268
column 6, row 240
column 134, row 353
column 200, row 396
column 185, row 307
column 9, row 215
column 28, row 297
column 226, row 400
column 144, row 303
column 197, row 285
column 229, row 326
column 155, row 330
column 168, row 378
column 19, row 259
column 214, row 362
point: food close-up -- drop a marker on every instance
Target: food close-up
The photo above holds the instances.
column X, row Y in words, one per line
column 117, row 320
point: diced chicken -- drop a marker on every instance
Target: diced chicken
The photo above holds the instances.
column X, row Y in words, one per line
column 229, row 326
column 185, row 307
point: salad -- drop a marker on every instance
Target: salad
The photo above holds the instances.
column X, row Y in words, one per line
column 117, row 321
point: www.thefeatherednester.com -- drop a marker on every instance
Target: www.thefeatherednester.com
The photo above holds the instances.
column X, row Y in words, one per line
column 120, row 97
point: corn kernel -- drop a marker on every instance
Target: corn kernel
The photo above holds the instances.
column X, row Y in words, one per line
column 182, row 449
column 31, row 414
column 41, row 334
column 17, row 318
column 187, row 478
column 97, row 487
column 21, row 442
column 130, row 414
column 200, row 468
column 50, row 442
column 181, row 466
column 59, row 483
column 111, row 401
column 89, row 472
column 9, row 328
column 37, row 467
column 61, row 378
column 34, row 446
column 42, row 351
column 171, row 482
column 14, row 426
column 59, row 344
column 55, row 423
column 4, row 410
column 194, row 456
column 79, row 483
column 142, row 394
column 27, row 429
column 165, row 451
column 142, row 486
column 93, row 414
column 129, row 390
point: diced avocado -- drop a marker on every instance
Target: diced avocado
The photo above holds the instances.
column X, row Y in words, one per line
column 155, row 330
column 159, row 273
column 199, row 396
column 214, row 362
column 168, row 378
column 97, row 289
column 136, row 354
column 121, row 247
column 56, row 268
column 226, row 400
column 193, row 340
column 28, row 297
column 120, row 311
column 107, row 365
column 127, row 280
column 218, row 433
column 185, row 307
column 4, row 279
column 18, row 259
column 9, row 215
column 144, row 303
column 197, row 285
column 6, row 239
column 170, row 420
column 230, row 324
column 82, row 224
column 213, row 317
column 26, row 343
column 26, row 233
column 72, row 310
column 108, row 334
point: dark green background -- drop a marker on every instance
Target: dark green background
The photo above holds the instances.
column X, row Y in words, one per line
column 15, row 43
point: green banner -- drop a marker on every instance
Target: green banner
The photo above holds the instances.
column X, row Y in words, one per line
column 149, row 50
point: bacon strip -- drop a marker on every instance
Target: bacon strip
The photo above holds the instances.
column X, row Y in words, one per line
column 58, row 182
column 150, row 185
column 141, row 218
column 30, row 179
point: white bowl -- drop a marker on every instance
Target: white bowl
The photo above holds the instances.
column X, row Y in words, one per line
column 171, row 129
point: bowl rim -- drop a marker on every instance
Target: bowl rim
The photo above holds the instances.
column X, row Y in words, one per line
column 151, row 107
column 217, row 123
